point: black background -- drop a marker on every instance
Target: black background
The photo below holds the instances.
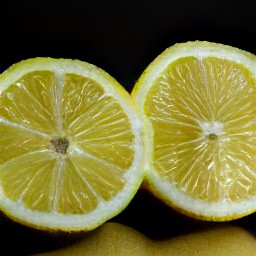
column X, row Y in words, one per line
column 121, row 37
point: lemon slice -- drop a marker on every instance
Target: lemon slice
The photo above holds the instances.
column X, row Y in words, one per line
column 70, row 145
column 198, row 105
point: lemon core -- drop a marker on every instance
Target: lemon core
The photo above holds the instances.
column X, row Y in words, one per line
column 60, row 145
column 212, row 136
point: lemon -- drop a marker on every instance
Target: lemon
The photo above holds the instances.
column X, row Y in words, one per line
column 70, row 145
column 118, row 239
column 197, row 101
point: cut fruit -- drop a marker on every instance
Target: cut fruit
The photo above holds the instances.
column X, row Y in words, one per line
column 197, row 101
column 70, row 145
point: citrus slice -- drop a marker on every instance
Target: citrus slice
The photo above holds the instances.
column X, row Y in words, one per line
column 197, row 101
column 70, row 145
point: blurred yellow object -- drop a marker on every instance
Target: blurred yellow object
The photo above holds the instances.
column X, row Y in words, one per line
column 117, row 239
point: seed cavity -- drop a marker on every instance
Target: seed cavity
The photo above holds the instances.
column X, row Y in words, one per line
column 60, row 145
column 212, row 136
column 211, row 130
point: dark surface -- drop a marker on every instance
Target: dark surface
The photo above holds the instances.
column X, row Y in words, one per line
column 121, row 38
column 145, row 213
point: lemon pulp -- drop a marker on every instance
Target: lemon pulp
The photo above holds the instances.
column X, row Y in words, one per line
column 203, row 117
column 66, row 144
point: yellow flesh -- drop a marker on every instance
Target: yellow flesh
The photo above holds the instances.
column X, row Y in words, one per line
column 39, row 109
column 203, row 117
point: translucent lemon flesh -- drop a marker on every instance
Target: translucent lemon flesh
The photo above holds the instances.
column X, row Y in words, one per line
column 203, row 117
column 65, row 143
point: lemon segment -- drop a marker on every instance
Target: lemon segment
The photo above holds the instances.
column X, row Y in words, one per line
column 27, row 102
column 33, row 190
column 79, row 91
column 29, row 140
